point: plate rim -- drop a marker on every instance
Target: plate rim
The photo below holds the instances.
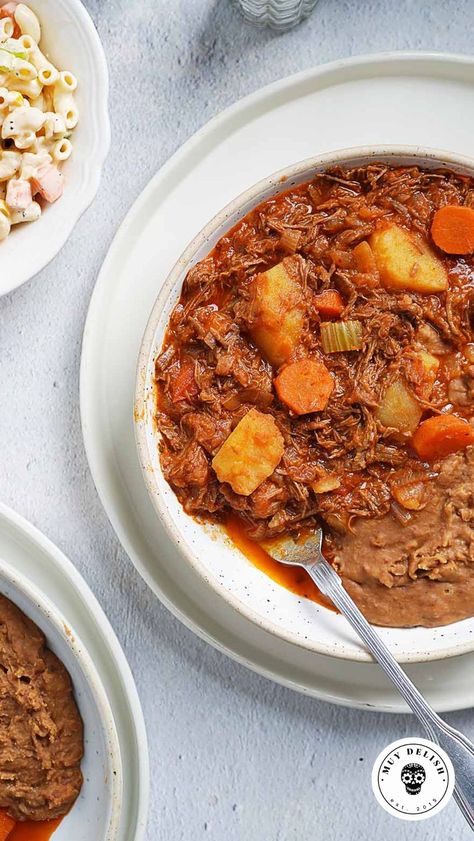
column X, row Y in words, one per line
column 120, row 662
column 405, row 60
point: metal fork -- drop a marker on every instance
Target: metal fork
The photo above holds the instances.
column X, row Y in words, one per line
column 308, row 555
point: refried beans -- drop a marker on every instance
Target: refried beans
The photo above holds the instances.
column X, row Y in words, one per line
column 41, row 732
column 318, row 370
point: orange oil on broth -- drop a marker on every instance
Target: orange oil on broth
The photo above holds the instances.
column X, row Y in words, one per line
column 34, row 830
column 294, row 579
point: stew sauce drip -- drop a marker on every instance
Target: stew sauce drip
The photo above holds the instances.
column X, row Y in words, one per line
column 34, row 830
column 294, row 579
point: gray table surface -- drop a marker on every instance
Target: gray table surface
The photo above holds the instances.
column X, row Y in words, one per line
column 233, row 756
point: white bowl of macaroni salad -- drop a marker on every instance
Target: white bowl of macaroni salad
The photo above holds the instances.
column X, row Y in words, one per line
column 54, row 129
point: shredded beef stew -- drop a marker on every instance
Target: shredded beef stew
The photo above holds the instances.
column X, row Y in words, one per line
column 319, row 366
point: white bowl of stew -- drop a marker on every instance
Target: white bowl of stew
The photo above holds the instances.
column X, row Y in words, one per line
column 394, row 501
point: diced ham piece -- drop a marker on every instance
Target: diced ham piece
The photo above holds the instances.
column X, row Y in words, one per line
column 19, row 195
column 48, row 182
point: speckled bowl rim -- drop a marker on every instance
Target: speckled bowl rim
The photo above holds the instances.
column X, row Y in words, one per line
column 144, row 425
column 54, row 617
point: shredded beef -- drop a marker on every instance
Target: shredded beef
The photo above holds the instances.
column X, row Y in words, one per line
column 319, row 224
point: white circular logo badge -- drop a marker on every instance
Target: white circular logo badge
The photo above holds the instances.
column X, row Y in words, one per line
column 413, row 779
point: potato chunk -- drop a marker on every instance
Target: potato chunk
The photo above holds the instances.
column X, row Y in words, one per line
column 427, row 376
column 406, row 261
column 429, row 362
column 278, row 310
column 250, row 454
column 399, row 409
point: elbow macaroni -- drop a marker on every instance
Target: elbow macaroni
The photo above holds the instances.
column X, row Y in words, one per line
column 5, row 223
column 37, row 115
column 10, row 163
column 29, row 24
column 31, row 214
column 63, row 99
column 7, row 28
column 47, row 73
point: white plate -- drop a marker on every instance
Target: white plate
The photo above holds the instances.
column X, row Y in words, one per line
column 208, row 549
column 34, row 556
column 409, row 98
column 71, row 41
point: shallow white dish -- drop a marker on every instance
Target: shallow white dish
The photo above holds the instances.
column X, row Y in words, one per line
column 410, row 97
column 96, row 812
column 71, row 41
column 33, row 557
column 213, row 556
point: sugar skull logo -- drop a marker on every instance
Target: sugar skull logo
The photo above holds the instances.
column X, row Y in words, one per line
column 413, row 779
column 413, row 776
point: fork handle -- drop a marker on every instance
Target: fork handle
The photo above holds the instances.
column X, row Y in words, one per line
column 459, row 749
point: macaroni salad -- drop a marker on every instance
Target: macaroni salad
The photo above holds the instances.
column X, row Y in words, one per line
column 37, row 116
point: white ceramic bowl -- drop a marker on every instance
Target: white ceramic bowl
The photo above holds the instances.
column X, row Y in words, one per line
column 70, row 41
column 215, row 558
column 96, row 813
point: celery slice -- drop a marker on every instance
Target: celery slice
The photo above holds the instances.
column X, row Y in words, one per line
column 14, row 49
column 339, row 336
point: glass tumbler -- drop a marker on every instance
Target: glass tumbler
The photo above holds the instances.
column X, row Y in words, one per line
column 278, row 14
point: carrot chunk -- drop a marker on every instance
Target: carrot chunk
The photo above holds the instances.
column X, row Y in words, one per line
column 452, row 229
column 184, row 386
column 305, row 386
column 329, row 303
column 6, row 825
column 440, row 436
